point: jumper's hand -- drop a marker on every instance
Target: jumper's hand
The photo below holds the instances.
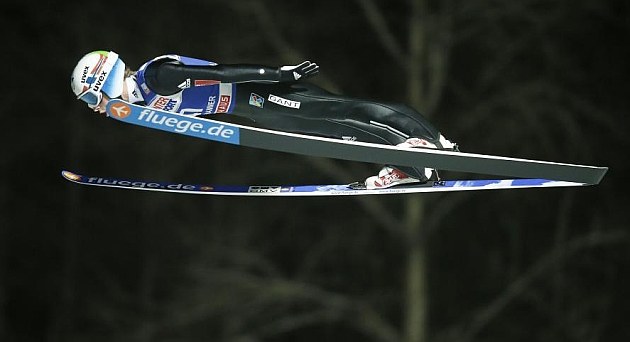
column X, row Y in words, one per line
column 292, row 73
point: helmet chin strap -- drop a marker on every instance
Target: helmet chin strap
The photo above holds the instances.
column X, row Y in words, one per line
column 133, row 91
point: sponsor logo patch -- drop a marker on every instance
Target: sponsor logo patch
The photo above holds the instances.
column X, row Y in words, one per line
column 264, row 189
column 164, row 103
column 210, row 106
column 224, row 103
column 256, row 100
column 185, row 84
column 284, row 102
column 120, row 110
column 97, row 83
column 166, row 121
column 84, row 74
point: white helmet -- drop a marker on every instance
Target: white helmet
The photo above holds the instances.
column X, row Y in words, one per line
column 96, row 73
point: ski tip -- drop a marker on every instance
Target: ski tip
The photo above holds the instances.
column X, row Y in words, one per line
column 71, row 176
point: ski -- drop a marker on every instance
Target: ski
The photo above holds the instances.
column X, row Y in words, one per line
column 350, row 150
column 312, row 190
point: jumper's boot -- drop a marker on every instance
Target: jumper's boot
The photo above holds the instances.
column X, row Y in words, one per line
column 444, row 143
column 390, row 176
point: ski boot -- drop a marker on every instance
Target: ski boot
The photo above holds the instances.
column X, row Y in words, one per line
column 390, row 176
column 422, row 143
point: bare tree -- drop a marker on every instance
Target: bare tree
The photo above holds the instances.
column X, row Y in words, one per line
column 233, row 289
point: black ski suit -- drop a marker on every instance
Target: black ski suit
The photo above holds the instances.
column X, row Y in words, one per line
column 299, row 107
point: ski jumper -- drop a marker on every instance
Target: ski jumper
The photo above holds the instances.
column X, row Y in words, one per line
column 197, row 87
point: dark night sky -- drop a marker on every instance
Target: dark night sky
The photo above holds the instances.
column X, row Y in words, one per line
column 534, row 79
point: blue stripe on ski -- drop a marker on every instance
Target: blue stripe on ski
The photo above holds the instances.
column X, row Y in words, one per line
column 312, row 190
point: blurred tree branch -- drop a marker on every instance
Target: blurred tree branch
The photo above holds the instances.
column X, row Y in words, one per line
column 255, row 309
column 482, row 317
column 387, row 38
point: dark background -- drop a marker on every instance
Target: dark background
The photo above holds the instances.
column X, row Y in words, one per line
column 542, row 79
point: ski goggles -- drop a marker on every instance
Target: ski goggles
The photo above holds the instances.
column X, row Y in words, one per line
column 91, row 97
